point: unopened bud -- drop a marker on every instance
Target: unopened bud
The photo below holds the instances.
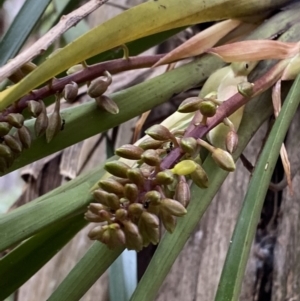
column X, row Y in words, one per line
column 159, row 132
column 117, row 236
column 189, row 145
column 151, row 157
column 136, row 176
column 117, row 168
column 121, row 214
column 111, row 185
column 232, row 140
column 135, row 209
column 41, row 123
column 153, row 197
column 133, row 237
column 70, row 92
column 15, row 119
column 95, row 207
column 101, row 196
column 54, row 125
column 223, row 159
column 172, row 207
column 107, row 104
column 148, row 227
column 4, row 128
column 200, row 177
column 96, row 233
column 34, row 107
column 207, row 108
column 5, row 151
column 150, row 143
column 98, row 86
column 165, row 177
column 189, row 105
column 24, row 136
column 129, row 151
column 131, row 192
column 74, row 69
column 182, row 193
column 245, row 88
column 14, row 144
column 94, row 218
column 168, row 220
column 184, row 167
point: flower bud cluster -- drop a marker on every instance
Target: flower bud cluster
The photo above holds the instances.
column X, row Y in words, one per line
column 132, row 202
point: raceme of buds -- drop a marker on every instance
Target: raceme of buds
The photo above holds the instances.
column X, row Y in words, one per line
column 15, row 119
column 107, row 104
column 70, row 92
column 54, row 124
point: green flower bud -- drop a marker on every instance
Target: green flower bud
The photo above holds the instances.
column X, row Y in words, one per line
column 42, row 121
column 151, row 157
column 75, row 69
column 5, row 151
column 95, row 207
column 165, row 177
column 13, row 143
column 153, row 197
column 200, row 177
column 245, row 88
column 4, row 128
column 98, row 86
column 107, row 104
column 117, row 236
column 184, row 167
column 131, row 192
column 111, row 185
column 129, row 151
column 133, row 237
column 168, row 220
column 15, row 119
column 96, row 233
column 207, row 108
column 189, row 145
column 232, row 140
column 24, row 136
column 172, row 207
column 113, row 201
column 34, row 107
column 159, row 132
column 117, row 168
column 150, row 143
column 189, row 105
column 121, row 214
column 93, row 218
column 182, row 193
column 70, row 92
column 135, row 209
column 101, row 196
column 223, row 159
column 149, row 227
column 54, row 125
column 136, row 176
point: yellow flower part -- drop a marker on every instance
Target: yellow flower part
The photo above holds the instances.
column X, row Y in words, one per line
column 184, row 167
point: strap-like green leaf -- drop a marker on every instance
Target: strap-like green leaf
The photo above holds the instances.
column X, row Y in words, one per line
column 18, row 32
column 25, row 260
column 237, row 256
